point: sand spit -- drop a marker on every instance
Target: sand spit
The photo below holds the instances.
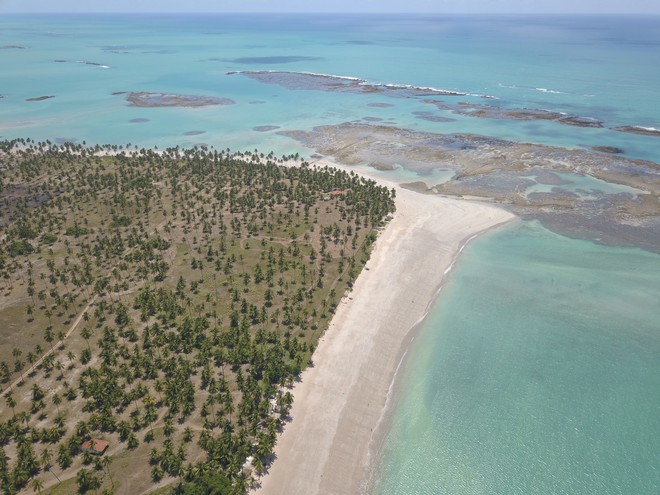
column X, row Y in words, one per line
column 340, row 400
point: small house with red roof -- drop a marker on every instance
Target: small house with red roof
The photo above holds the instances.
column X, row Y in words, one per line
column 95, row 446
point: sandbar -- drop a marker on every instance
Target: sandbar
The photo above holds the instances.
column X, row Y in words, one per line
column 341, row 399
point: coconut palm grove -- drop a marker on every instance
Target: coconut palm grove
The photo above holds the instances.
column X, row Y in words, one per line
column 157, row 306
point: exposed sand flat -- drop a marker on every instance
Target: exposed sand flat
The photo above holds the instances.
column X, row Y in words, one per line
column 339, row 401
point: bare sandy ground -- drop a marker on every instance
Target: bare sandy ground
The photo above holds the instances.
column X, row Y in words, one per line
column 339, row 401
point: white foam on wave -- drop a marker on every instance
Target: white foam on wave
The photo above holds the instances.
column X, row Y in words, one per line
column 546, row 90
column 417, row 88
column 320, row 74
column 533, row 88
column 93, row 64
column 365, row 82
column 651, row 129
column 315, row 74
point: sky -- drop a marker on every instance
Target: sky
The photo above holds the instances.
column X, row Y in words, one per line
column 349, row 6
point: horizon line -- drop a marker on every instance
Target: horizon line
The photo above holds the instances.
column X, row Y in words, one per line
column 332, row 12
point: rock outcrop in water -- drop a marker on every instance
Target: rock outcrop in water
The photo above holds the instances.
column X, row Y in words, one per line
column 341, row 84
column 642, row 131
column 152, row 100
column 618, row 201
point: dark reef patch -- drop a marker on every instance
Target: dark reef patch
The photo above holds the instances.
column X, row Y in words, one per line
column 139, row 121
column 96, row 64
column 548, row 178
column 40, row 98
column 432, row 117
column 642, row 131
column 493, row 112
column 503, row 171
column 194, row 133
column 340, row 84
column 265, row 128
column 613, row 150
column 153, row 100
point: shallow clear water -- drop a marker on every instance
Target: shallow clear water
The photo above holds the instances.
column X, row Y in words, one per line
column 601, row 67
column 585, row 186
column 537, row 372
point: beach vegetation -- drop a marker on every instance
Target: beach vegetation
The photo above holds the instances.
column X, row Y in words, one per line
column 165, row 302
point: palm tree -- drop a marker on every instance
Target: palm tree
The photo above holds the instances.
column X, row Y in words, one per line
column 86, row 480
column 6, row 374
column 124, row 429
column 48, row 333
column 57, row 400
column 24, row 417
column 45, row 458
column 11, row 403
column 86, row 334
column 132, row 442
column 107, row 460
column 4, row 463
column 37, row 485
column 18, row 364
column 59, row 367
column 37, row 392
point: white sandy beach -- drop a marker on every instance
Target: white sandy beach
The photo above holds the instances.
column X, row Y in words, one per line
column 339, row 401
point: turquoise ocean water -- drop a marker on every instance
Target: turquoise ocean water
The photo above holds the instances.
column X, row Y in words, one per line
column 538, row 370
column 600, row 67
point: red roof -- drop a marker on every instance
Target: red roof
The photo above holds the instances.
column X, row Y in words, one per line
column 95, row 445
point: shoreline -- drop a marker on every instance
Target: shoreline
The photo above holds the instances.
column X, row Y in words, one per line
column 378, row 437
column 341, row 401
